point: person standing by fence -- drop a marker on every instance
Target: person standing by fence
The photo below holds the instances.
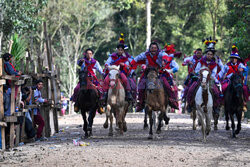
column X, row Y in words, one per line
column 38, row 119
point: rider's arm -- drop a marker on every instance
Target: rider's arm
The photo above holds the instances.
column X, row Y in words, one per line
column 223, row 71
column 174, row 66
column 221, row 65
column 98, row 67
column 197, row 68
column 213, row 75
column 187, row 60
column 242, row 66
column 108, row 62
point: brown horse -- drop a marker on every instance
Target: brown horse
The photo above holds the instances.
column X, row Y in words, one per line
column 116, row 102
column 156, row 99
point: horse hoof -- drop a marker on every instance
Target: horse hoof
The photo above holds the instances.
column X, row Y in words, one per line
column 89, row 129
column 215, row 128
column 110, row 133
column 158, row 131
column 207, row 133
column 237, row 132
column 117, row 129
column 227, row 128
column 145, row 126
column 105, row 126
column 150, row 137
column 125, row 129
column 234, row 136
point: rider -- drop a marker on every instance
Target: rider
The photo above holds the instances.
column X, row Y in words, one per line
column 192, row 63
column 208, row 61
column 169, row 68
column 234, row 66
column 92, row 65
column 153, row 58
column 122, row 59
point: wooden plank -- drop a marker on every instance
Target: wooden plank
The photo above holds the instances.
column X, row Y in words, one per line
column 17, row 135
column 31, row 106
column 10, row 77
column 3, row 124
column 18, row 114
column 2, row 81
column 23, row 130
column 12, row 111
column 11, row 119
column 19, row 82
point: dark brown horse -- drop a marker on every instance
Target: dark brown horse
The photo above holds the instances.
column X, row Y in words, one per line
column 234, row 103
column 156, row 99
column 87, row 101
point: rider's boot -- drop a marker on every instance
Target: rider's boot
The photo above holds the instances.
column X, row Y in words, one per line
column 244, row 106
column 76, row 108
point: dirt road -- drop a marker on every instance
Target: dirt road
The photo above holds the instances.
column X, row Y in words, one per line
column 177, row 145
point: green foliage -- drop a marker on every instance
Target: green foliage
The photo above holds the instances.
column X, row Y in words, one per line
column 238, row 19
column 21, row 16
column 18, row 49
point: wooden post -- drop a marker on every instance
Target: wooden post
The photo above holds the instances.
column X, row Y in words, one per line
column 17, row 105
column 51, row 83
column 2, row 108
column 12, row 111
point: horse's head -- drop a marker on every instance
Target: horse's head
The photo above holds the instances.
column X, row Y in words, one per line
column 113, row 75
column 205, row 77
column 83, row 75
column 152, row 76
column 236, row 84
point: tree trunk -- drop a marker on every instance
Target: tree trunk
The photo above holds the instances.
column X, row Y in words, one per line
column 148, row 6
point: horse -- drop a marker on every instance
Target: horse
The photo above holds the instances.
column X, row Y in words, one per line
column 233, row 102
column 155, row 98
column 87, row 101
column 204, row 102
column 116, row 102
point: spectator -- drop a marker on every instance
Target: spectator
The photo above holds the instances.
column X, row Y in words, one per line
column 26, row 98
column 10, row 70
column 38, row 119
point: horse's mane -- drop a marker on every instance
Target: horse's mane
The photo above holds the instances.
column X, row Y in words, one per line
column 148, row 69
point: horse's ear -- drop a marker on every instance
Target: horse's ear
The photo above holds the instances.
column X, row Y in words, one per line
column 118, row 67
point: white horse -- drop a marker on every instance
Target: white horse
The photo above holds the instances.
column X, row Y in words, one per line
column 204, row 102
column 116, row 103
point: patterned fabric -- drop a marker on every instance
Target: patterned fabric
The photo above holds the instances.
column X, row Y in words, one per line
column 191, row 92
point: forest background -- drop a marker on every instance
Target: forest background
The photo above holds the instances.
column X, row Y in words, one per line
column 75, row 25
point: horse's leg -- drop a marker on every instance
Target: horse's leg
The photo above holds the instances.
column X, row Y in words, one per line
column 160, row 121
column 226, row 117
column 216, row 117
column 110, row 116
column 120, row 119
column 194, row 118
column 166, row 118
column 85, row 123
column 208, row 120
column 145, row 126
column 149, row 111
column 91, row 117
column 123, row 119
column 154, row 119
column 232, row 125
column 106, row 123
column 239, row 117
column 201, row 120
